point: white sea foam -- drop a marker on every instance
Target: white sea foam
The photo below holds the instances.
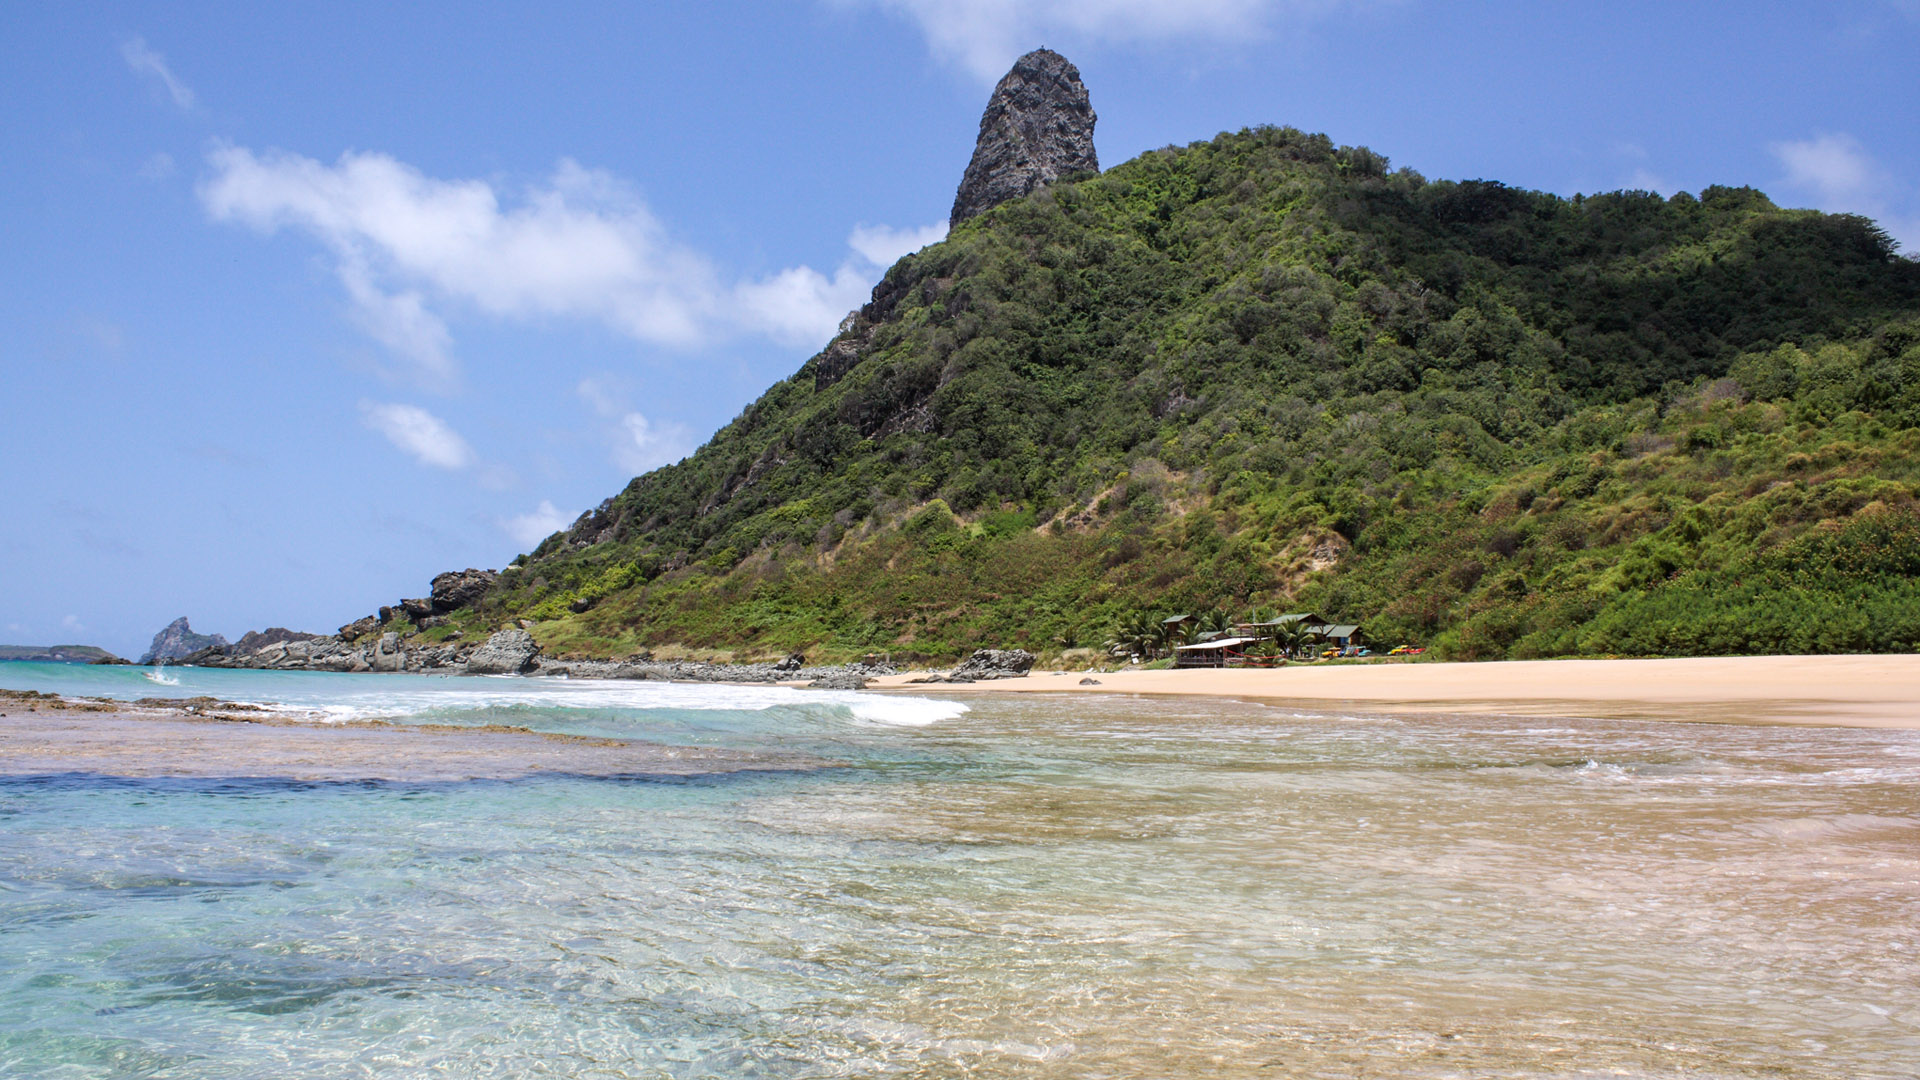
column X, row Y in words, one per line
column 402, row 699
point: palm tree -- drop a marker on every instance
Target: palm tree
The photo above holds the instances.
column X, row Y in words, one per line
column 1216, row 621
column 1139, row 634
column 1159, row 638
column 1291, row 637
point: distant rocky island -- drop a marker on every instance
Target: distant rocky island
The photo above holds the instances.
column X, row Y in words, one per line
column 59, row 654
column 178, row 640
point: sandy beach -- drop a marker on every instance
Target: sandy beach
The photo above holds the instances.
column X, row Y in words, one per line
column 1853, row 691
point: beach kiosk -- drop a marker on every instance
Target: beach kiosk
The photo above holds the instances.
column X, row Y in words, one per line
column 1216, row 652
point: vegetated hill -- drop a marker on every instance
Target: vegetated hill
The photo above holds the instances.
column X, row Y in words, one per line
column 57, row 654
column 1268, row 370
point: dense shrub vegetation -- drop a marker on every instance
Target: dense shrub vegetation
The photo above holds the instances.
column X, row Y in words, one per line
column 1268, row 370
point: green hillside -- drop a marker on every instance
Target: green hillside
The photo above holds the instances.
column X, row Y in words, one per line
column 56, row 654
column 1265, row 370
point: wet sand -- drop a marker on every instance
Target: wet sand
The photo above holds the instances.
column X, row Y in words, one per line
column 1851, row 691
column 42, row 735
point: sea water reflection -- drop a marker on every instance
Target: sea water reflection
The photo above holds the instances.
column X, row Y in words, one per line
column 1066, row 887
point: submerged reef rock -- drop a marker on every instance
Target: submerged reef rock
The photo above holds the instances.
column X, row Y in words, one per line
column 179, row 640
column 1037, row 128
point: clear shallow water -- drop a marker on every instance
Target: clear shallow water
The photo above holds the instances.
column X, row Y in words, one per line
column 1071, row 887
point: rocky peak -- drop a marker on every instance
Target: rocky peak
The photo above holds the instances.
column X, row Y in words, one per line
column 179, row 640
column 1037, row 128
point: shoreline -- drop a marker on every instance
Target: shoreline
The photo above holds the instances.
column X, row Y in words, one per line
column 1866, row 690
column 50, row 736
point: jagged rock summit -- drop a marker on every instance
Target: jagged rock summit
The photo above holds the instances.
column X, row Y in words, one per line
column 179, row 640
column 1037, row 128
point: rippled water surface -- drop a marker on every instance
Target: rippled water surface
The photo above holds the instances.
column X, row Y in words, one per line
column 1039, row 887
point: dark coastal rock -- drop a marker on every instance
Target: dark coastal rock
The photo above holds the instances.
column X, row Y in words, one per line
column 840, row 355
column 208, row 656
column 1038, row 127
column 178, row 640
column 793, row 662
column 457, row 589
column 839, row 680
column 358, row 628
column 255, row 640
column 508, row 652
column 417, row 609
column 1089, row 681
column 386, row 654
column 993, row 664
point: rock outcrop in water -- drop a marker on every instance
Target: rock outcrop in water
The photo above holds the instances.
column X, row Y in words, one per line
column 1037, row 128
column 178, row 640
column 509, row 652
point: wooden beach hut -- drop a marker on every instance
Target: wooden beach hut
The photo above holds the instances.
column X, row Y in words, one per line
column 1215, row 652
column 1341, row 635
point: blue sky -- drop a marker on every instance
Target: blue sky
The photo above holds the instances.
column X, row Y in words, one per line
column 299, row 306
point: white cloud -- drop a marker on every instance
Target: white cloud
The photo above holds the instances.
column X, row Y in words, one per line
column 1644, row 179
column 646, row 446
column 800, row 305
column 419, row 433
column 635, row 443
column 883, row 246
column 529, row 529
column 1835, row 167
column 145, row 61
column 985, row 36
column 1843, row 177
column 401, row 322
column 582, row 245
column 72, row 624
column 579, row 246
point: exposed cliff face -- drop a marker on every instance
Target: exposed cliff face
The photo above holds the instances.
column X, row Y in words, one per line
column 1037, row 128
column 179, row 640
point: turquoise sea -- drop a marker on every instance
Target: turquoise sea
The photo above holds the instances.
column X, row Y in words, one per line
column 1065, row 886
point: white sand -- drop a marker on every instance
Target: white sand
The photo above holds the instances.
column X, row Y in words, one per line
column 1856, row 691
